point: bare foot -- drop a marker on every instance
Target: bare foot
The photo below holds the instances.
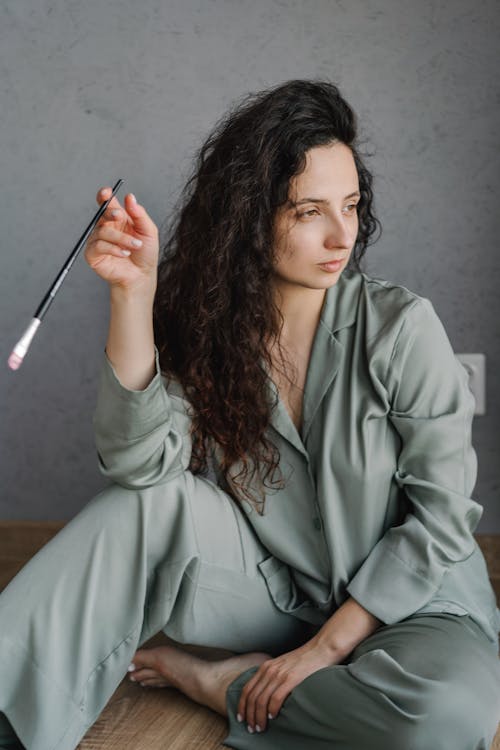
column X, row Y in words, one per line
column 205, row 682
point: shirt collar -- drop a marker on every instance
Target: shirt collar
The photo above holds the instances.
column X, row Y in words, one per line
column 340, row 308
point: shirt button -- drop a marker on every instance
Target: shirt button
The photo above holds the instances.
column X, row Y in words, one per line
column 317, row 523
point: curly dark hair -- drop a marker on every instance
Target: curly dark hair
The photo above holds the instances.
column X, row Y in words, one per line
column 214, row 308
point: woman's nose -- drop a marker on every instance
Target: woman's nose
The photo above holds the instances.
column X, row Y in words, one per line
column 339, row 234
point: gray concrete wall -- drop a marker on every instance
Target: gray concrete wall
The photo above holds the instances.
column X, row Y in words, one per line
column 90, row 92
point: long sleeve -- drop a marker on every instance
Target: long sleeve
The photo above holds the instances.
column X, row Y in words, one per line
column 142, row 437
column 432, row 410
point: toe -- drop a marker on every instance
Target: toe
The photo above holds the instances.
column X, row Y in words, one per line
column 142, row 657
column 144, row 674
column 145, row 658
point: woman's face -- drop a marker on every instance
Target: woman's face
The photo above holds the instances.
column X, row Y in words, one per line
column 319, row 224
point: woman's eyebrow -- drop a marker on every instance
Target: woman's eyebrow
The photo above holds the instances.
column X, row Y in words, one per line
column 322, row 200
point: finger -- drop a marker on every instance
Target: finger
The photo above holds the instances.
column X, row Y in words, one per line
column 256, row 701
column 98, row 248
column 256, row 709
column 103, row 194
column 278, row 698
column 114, row 205
column 247, row 689
column 143, row 224
column 110, row 233
column 115, row 215
column 262, row 706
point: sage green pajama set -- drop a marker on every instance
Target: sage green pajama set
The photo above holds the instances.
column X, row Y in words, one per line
column 377, row 506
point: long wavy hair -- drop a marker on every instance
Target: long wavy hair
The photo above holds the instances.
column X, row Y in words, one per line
column 214, row 309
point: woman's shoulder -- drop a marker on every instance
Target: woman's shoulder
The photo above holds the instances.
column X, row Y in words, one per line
column 386, row 294
column 383, row 301
column 380, row 308
column 395, row 327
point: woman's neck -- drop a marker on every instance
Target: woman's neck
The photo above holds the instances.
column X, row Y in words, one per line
column 301, row 315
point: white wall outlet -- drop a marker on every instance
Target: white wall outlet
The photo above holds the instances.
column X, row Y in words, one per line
column 475, row 366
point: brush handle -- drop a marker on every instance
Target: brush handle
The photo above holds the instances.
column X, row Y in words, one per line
column 49, row 297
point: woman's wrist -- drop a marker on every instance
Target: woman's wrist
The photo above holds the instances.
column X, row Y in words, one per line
column 345, row 629
column 330, row 653
column 143, row 294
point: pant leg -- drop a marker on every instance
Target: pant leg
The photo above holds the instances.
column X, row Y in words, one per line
column 430, row 682
column 178, row 556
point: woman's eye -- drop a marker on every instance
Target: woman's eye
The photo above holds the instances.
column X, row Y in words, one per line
column 351, row 208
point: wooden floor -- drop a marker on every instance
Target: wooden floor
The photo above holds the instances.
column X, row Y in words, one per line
column 138, row 718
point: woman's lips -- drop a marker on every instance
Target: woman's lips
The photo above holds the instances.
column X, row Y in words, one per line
column 333, row 265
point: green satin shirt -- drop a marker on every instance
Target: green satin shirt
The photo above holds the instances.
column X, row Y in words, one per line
column 378, row 502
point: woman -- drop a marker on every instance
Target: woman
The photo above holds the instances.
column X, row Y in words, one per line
column 289, row 444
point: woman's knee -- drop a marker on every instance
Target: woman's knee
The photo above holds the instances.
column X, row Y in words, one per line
column 128, row 518
column 395, row 713
column 116, row 501
column 449, row 717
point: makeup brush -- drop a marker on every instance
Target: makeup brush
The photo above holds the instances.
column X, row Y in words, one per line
column 22, row 346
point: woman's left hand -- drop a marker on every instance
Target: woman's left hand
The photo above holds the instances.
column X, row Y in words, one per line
column 275, row 679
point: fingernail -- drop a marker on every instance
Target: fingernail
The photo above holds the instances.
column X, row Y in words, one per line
column 270, row 716
column 125, row 252
column 249, row 729
column 258, row 729
column 136, row 243
column 131, row 668
column 132, row 679
column 239, row 717
column 133, row 198
column 115, row 212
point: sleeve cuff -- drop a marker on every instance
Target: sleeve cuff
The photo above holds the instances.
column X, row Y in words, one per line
column 399, row 590
column 127, row 412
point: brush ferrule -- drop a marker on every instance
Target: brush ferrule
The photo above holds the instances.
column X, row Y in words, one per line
column 23, row 344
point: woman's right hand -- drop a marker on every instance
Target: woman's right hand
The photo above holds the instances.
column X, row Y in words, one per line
column 115, row 233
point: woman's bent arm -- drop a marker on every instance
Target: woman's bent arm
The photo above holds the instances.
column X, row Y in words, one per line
column 123, row 250
column 142, row 436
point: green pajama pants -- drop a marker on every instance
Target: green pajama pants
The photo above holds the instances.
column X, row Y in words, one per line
column 181, row 557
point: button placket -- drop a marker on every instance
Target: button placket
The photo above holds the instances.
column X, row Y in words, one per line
column 317, row 520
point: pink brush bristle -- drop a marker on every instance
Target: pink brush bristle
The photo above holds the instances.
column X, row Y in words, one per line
column 15, row 361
